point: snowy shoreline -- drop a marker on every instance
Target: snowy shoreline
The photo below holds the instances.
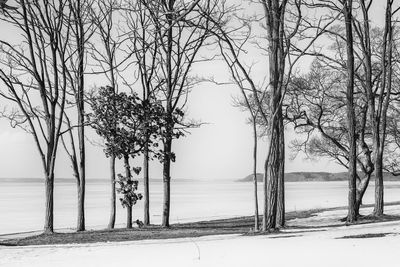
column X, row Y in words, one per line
column 312, row 241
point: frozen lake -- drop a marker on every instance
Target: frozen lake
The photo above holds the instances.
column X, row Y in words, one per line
column 21, row 204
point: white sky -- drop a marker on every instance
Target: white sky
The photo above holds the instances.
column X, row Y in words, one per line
column 220, row 149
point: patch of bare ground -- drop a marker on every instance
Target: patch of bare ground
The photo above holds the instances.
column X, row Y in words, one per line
column 365, row 236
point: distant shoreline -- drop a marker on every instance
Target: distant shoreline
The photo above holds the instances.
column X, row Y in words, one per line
column 316, row 177
column 72, row 180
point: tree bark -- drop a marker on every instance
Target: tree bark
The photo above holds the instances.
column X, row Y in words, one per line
column 387, row 62
column 276, row 60
column 146, row 185
column 111, row 223
column 255, row 138
column 351, row 122
column 80, row 104
column 82, row 165
column 167, row 181
column 280, row 217
column 361, row 188
column 379, row 203
column 129, row 177
column 271, row 183
column 49, row 203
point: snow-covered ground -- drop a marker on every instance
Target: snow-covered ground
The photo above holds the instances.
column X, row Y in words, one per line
column 23, row 203
column 298, row 246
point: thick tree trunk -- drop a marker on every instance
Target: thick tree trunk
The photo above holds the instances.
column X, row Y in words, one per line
column 280, row 216
column 49, row 203
column 167, row 182
column 351, row 122
column 128, row 208
column 276, row 60
column 271, row 182
column 111, row 223
column 146, row 185
column 255, row 137
column 379, row 203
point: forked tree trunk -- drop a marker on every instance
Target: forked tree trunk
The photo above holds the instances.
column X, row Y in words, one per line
column 146, row 185
column 280, row 216
column 255, row 137
column 167, row 182
column 111, row 223
column 80, row 189
column 129, row 177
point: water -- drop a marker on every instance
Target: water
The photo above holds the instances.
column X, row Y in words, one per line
column 22, row 204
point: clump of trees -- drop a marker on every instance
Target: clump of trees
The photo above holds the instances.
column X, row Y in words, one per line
column 127, row 125
column 146, row 50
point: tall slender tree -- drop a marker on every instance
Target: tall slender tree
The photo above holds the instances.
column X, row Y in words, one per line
column 182, row 30
column 351, row 118
column 104, row 54
column 81, row 30
column 34, row 74
column 144, row 46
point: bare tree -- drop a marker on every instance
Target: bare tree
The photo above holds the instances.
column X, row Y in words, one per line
column 182, row 31
column 104, row 54
column 283, row 22
column 33, row 73
column 375, row 79
column 144, row 46
column 231, row 41
column 316, row 105
column 81, row 29
column 351, row 118
column 279, row 34
column 379, row 115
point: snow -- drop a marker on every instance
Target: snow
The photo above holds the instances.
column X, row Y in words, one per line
column 320, row 244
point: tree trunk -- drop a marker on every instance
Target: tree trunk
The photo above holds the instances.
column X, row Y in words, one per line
column 111, row 223
column 129, row 177
column 361, row 188
column 255, row 137
column 280, row 220
column 351, row 122
column 276, row 60
column 82, row 170
column 379, row 203
column 49, row 195
column 167, row 181
column 146, row 185
column 271, row 182
column 387, row 74
column 81, row 207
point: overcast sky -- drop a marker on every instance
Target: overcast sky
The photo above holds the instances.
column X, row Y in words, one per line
column 220, row 149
